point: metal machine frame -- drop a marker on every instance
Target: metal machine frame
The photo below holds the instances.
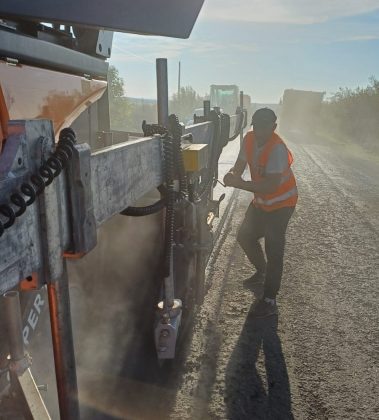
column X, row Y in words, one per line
column 63, row 222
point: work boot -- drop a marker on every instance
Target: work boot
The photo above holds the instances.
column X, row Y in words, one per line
column 263, row 309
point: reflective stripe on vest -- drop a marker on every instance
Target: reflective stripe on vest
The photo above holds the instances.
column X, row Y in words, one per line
column 286, row 193
column 278, row 198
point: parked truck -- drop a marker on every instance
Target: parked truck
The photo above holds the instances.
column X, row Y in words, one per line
column 300, row 110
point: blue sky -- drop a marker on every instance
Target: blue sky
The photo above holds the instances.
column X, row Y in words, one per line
column 263, row 46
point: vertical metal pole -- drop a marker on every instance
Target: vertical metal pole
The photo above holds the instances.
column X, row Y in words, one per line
column 241, row 106
column 207, row 108
column 63, row 346
column 169, row 283
column 162, row 91
column 13, row 322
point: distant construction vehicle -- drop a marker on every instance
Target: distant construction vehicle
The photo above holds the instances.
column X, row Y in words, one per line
column 226, row 97
column 227, row 100
column 300, row 110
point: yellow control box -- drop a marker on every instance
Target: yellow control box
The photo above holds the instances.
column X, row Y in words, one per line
column 195, row 157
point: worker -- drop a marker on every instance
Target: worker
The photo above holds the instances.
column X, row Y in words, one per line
column 275, row 196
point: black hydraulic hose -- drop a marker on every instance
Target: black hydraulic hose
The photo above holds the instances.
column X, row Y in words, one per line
column 150, row 209
column 225, row 128
column 215, row 152
column 245, row 118
column 145, row 211
column 240, row 126
column 174, row 166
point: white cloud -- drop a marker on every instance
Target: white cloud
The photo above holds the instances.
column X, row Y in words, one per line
column 123, row 55
column 284, row 11
column 357, row 38
column 132, row 48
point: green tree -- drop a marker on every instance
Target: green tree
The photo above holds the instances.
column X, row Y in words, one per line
column 119, row 107
column 142, row 111
column 115, row 83
column 184, row 103
column 351, row 115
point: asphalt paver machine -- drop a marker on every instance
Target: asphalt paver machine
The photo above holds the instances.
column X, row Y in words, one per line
column 64, row 174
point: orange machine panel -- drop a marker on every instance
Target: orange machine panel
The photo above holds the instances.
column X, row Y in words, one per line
column 4, row 118
column 28, row 92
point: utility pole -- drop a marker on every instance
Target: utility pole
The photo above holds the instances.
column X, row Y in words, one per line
column 241, row 106
column 179, row 80
column 179, row 107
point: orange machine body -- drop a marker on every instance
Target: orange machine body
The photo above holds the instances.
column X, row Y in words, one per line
column 28, row 92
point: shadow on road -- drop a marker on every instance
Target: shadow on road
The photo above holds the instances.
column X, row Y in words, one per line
column 249, row 394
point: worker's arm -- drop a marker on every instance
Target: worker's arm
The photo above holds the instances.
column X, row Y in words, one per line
column 234, row 176
column 276, row 166
column 268, row 184
column 239, row 167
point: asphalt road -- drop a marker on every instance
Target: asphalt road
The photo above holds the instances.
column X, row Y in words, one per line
column 319, row 358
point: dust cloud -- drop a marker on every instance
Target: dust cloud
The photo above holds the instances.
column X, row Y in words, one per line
column 113, row 291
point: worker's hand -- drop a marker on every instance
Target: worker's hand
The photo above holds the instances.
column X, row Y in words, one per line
column 232, row 180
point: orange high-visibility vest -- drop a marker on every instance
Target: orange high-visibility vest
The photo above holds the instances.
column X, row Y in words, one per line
column 286, row 193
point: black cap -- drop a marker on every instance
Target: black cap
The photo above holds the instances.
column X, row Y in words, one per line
column 263, row 115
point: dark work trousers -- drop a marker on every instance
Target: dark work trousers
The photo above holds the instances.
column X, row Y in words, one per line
column 272, row 227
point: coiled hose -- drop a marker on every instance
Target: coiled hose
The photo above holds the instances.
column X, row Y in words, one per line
column 176, row 131
column 39, row 180
column 169, row 171
column 173, row 162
